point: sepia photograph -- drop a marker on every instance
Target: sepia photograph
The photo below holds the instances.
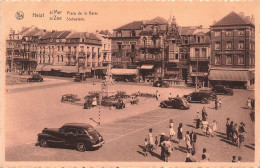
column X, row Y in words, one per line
column 136, row 82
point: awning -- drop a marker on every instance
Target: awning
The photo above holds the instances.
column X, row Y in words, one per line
column 81, row 70
column 69, row 69
column 47, row 68
column 124, row 71
column 229, row 75
column 199, row 74
column 39, row 67
column 147, row 66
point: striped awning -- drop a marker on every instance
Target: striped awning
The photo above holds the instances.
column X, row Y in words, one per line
column 124, row 71
column 147, row 66
column 229, row 75
column 39, row 67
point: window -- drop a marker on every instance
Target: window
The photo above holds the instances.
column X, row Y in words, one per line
column 240, row 33
column 217, row 33
column 82, row 48
column 119, row 34
column 229, row 45
column 176, row 56
column 197, row 52
column 132, row 47
column 173, row 41
column 119, row 46
column 49, row 59
column 204, row 52
column 133, row 34
column 228, row 33
column 240, row 60
column 217, row 59
column 58, row 48
column 62, row 58
column 58, row 58
column 75, row 49
column 240, row 45
column 217, row 45
column 198, row 39
column 104, row 46
column 186, row 41
column 144, row 42
column 228, row 59
column 62, row 48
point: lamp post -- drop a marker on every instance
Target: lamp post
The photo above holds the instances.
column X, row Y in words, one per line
column 196, row 88
column 94, row 74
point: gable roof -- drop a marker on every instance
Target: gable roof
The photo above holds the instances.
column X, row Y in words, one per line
column 64, row 34
column 158, row 20
column 189, row 30
column 135, row 25
column 232, row 19
column 47, row 35
column 23, row 31
column 57, row 34
column 201, row 31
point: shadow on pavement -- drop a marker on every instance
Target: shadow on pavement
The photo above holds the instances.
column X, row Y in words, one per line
column 250, row 147
column 174, row 141
column 190, row 126
column 151, row 152
column 180, row 148
column 200, row 134
column 220, row 136
column 221, row 133
column 140, row 153
column 228, row 142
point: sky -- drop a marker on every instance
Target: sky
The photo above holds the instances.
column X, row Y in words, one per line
column 113, row 14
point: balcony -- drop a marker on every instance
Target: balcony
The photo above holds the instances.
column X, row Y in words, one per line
column 199, row 59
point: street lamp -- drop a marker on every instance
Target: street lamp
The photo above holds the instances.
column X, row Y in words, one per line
column 196, row 88
column 94, row 74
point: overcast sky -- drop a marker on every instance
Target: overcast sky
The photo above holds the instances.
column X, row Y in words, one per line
column 114, row 14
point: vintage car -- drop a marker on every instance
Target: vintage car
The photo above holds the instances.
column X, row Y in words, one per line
column 161, row 83
column 110, row 101
column 69, row 98
column 202, row 97
column 175, row 103
column 219, row 89
column 79, row 78
column 213, row 95
column 35, row 78
column 79, row 135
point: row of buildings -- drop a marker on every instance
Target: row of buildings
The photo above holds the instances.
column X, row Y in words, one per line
column 144, row 51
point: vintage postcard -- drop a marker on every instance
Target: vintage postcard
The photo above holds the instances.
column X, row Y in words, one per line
column 129, row 83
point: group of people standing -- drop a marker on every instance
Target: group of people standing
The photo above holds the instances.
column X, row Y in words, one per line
column 235, row 133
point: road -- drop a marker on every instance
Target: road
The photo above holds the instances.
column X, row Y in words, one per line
column 29, row 111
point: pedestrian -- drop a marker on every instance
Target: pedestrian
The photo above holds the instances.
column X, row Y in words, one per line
column 167, row 149
column 249, row 103
column 151, row 139
column 253, row 104
column 228, row 128
column 239, row 159
column 204, row 114
column 235, row 138
column 187, row 140
column 234, row 159
column 94, row 102
column 197, row 120
column 193, row 139
column 214, row 127
column 179, row 134
column 156, row 142
column 170, row 96
column 146, row 147
column 162, row 139
column 193, row 157
column 241, row 133
column 216, row 103
column 231, row 127
column 204, row 159
column 172, row 132
column 205, row 153
column 157, row 95
column 219, row 103
column 209, row 131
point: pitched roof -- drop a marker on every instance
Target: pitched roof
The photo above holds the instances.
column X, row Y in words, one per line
column 203, row 31
column 33, row 32
column 135, row 25
column 57, row 34
column 83, row 35
column 189, row 30
column 158, row 19
column 232, row 19
column 47, row 35
column 64, row 34
column 23, row 31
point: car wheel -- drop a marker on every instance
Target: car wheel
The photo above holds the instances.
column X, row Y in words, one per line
column 43, row 143
column 204, row 101
column 81, row 146
column 188, row 98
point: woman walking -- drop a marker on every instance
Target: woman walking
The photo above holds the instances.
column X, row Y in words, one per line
column 187, row 139
column 172, row 132
column 180, row 136
column 151, row 139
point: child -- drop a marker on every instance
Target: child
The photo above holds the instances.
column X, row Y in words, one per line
column 214, row 127
column 146, row 147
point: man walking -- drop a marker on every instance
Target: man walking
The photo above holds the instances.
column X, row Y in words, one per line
column 193, row 138
column 157, row 95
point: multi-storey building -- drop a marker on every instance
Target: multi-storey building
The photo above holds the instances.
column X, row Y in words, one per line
column 233, row 51
column 15, row 50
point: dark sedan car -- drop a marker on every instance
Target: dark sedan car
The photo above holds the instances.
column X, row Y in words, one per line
column 161, row 83
column 79, row 135
column 175, row 103
column 35, row 78
column 219, row 89
column 202, row 97
column 213, row 95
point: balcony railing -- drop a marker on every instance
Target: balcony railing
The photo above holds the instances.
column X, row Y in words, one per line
column 199, row 58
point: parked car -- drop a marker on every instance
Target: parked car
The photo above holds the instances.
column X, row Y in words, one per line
column 219, row 89
column 79, row 135
column 175, row 103
column 35, row 78
column 110, row 101
column 69, row 98
column 161, row 83
column 202, row 97
column 213, row 95
column 79, row 78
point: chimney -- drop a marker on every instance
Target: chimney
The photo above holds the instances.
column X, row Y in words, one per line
column 241, row 14
column 53, row 31
column 44, row 30
column 253, row 19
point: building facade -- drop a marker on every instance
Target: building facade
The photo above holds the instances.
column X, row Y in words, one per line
column 233, row 51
